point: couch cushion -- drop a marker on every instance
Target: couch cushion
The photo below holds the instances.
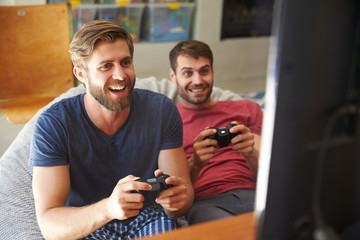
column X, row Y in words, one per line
column 17, row 210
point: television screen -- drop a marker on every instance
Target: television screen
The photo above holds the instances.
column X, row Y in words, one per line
column 309, row 167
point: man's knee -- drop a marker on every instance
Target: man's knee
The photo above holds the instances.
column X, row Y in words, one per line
column 206, row 213
column 223, row 205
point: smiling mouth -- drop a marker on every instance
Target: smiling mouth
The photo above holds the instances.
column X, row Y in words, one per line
column 197, row 90
column 117, row 88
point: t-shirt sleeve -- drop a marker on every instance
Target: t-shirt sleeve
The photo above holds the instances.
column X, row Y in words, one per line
column 257, row 117
column 172, row 132
column 47, row 146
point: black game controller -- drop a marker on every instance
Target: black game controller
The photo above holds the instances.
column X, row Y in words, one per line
column 157, row 183
column 223, row 135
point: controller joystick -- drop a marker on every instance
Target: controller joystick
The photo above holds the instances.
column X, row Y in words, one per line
column 223, row 135
column 157, row 183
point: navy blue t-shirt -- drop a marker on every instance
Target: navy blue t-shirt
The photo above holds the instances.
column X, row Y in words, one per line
column 65, row 135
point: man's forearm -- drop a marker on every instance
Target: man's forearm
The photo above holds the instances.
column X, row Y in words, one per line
column 72, row 222
column 253, row 162
column 253, row 157
column 194, row 169
column 189, row 200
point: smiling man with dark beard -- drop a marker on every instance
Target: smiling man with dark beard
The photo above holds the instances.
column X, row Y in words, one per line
column 89, row 150
column 224, row 178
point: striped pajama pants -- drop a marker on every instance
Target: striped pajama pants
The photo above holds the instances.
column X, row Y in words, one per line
column 151, row 220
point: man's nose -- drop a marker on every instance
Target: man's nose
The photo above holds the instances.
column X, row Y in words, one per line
column 119, row 73
column 196, row 78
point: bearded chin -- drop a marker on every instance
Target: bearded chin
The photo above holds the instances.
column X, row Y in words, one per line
column 195, row 101
column 119, row 106
column 103, row 99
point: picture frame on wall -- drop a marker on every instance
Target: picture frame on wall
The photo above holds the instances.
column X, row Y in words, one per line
column 246, row 18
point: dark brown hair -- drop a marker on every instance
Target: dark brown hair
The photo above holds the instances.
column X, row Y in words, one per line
column 192, row 48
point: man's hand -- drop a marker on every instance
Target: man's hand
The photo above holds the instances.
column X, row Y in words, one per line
column 174, row 198
column 51, row 188
column 243, row 143
column 122, row 203
column 204, row 149
column 247, row 144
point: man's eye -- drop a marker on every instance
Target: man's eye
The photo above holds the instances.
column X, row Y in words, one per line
column 204, row 71
column 105, row 66
column 126, row 62
column 187, row 74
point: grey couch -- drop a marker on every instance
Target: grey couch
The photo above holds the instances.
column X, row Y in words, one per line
column 17, row 211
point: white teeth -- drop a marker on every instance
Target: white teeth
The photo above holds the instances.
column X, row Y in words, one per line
column 196, row 90
column 117, row 88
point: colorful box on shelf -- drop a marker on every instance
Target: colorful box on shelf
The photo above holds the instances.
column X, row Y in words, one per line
column 166, row 1
column 129, row 16
column 73, row 2
column 82, row 13
column 167, row 21
column 119, row 2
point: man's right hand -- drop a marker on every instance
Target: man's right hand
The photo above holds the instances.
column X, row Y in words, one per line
column 204, row 149
column 123, row 203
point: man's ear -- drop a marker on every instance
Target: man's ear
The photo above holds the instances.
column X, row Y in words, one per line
column 172, row 75
column 80, row 74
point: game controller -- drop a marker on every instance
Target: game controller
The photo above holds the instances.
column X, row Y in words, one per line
column 157, row 183
column 223, row 135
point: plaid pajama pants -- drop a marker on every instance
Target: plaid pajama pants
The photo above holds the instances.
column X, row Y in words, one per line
column 151, row 220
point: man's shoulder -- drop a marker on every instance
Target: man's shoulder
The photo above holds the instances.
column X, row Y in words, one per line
column 146, row 92
column 148, row 95
column 242, row 102
column 66, row 106
column 66, row 102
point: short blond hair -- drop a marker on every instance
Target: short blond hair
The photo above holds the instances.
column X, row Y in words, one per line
column 85, row 40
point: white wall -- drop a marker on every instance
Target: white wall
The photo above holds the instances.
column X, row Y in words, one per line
column 240, row 63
